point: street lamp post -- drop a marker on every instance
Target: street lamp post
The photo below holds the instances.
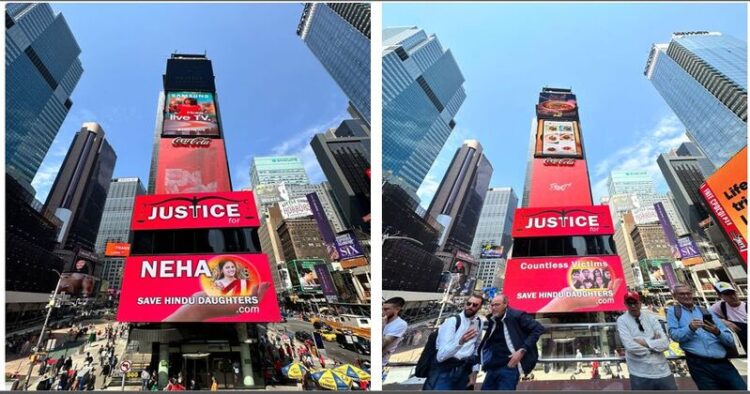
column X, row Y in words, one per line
column 444, row 301
column 50, row 306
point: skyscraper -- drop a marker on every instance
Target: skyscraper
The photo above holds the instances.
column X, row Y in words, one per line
column 41, row 69
column 422, row 92
column 639, row 184
column 492, row 238
column 80, row 190
column 278, row 169
column 345, row 162
column 703, row 77
column 115, row 225
column 459, row 199
column 338, row 34
column 685, row 170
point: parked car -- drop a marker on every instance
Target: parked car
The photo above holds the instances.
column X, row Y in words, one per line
column 319, row 325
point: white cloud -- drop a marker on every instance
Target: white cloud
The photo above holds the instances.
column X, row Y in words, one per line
column 666, row 135
column 431, row 182
column 299, row 145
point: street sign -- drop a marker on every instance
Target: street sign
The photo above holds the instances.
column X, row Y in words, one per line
column 125, row 366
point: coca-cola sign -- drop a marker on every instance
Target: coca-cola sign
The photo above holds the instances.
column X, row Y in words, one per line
column 199, row 210
column 191, row 142
column 559, row 162
column 562, row 221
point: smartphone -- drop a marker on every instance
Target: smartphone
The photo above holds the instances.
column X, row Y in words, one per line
column 709, row 319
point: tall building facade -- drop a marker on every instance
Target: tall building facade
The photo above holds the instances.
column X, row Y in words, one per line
column 278, row 169
column 338, row 34
column 79, row 192
column 115, row 225
column 459, row 199
column 703, row 77
column 638, row 183
column 410, row 240
column 492, row 238
column 422, row 92
column 327, row 201
column 685, row 170
column 42, row 69
column 345, row 161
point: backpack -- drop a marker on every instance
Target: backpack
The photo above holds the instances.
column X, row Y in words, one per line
column 732, row 351
column 429, row 353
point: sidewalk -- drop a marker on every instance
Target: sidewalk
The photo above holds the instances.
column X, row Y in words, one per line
column 77, row 354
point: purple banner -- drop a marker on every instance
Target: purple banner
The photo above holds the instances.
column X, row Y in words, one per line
column 669, row 275
column 688, row 248
column 325, row 280
column 666, row 226
column 320, row 218
column 348, row 247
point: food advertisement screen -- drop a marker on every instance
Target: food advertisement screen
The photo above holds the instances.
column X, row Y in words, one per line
column 192, row 165
column 190, row 114
column 558, row 139
column 198, row 288
column 557, row 105
column 565, row 284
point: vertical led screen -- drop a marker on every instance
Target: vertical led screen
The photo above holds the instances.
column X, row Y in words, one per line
column 192, row 165
column 559, row 181
column 190, row 114
column 557, row 106
column 556, row 138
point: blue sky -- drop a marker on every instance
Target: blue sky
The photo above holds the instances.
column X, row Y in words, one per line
column 508, row 52
column 273, row 93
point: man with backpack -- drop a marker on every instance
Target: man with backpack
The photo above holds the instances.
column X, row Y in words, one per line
column 731, row 311
column 509, row 348
column 452, row 352
column 705, row 340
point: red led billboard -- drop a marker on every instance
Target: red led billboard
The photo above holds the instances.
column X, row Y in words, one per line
column 556, row 181
column 562, row 221
column 117, row 249
column 192, row 165
column 198, row 288
column 198, row 210
column 565, row 284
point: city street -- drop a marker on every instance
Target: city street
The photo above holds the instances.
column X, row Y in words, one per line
column 333, row 349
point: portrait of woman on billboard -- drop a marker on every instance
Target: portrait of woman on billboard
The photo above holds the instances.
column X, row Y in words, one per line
column 77, row 280
column 229, row 279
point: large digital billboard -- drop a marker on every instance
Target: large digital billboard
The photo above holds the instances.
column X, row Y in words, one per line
column 196, row 210
column 565, row 284
column 192, row 165
column 303, row 274
column 559, row 180
column 557, row 105
column 556, row 138
column 190, row 114
column 198, row 288
column 562, row 221
column 77, row 279
column 491, row 250
column 726, row 194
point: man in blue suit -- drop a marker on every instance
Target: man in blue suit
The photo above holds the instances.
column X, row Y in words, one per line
column 509, row 347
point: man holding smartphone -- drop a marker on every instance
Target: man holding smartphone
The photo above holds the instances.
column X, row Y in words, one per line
column 456, row 349
column 703, row 337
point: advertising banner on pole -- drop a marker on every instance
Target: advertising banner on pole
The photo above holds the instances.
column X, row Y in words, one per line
column 669, row 274
column 198, row 288
column 666, row 226
column 562, row 221
column 565, row 284
column 190, row 114
column 196, row 210
column 689, row 252
column 192, row 165
column 326, row 281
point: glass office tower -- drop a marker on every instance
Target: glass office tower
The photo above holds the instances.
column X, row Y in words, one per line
column 703, row 78
column 422, row 92
column 41, row 70
column 338, row 34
